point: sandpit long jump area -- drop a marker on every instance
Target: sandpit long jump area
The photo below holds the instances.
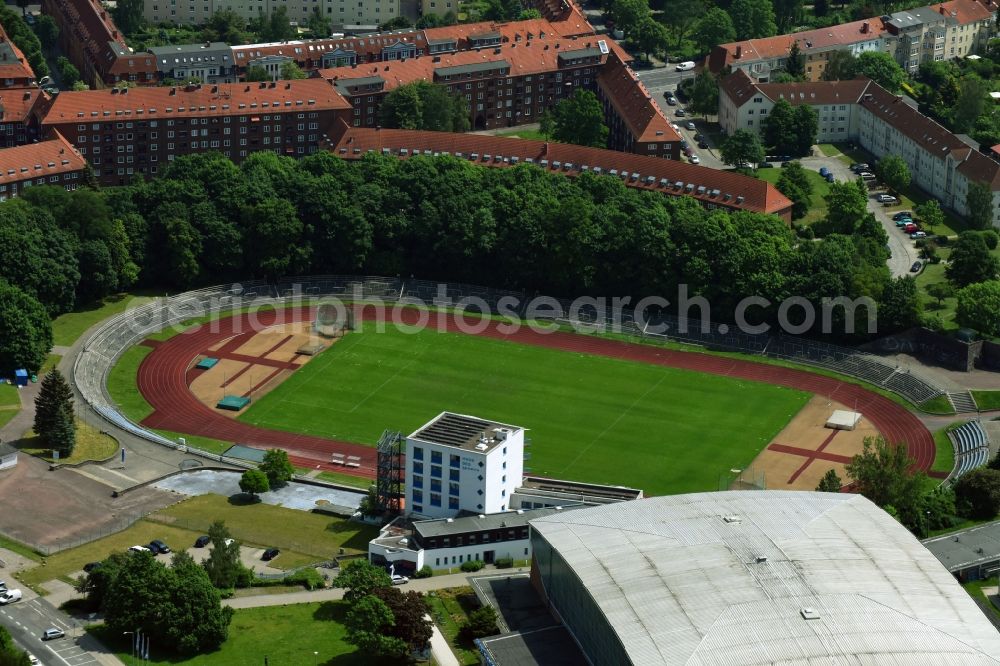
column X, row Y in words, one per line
column 251, row 364
column 806, row 449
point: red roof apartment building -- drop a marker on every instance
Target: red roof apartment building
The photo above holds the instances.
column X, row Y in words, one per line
column 50, row 162
column 635, row 121
column 131, row 132
column 15, row 72
column 21, row 111
column 724, row 190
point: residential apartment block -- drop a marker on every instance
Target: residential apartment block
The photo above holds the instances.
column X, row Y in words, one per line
column 941, row 163
column 15, row 72
column 713, row 189
column 211, row 62
column 635, row 121
column 134, row 131
column 21, row 111
column 338, row 12
column 948, row 30
column 50, row 162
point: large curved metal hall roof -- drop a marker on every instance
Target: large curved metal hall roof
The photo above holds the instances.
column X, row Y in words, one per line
column 763, row 577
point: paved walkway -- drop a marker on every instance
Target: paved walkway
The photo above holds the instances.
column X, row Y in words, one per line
column 25, row 418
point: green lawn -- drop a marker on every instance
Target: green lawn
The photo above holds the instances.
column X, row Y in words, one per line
column 450, row 608
column 122, row 386
column 680, row 429
column 91, row 444
column 9, row 396
column 534, row 135
column 67, row 328
column 829, row 149
column 937, row 405
column 300, row 634
column 6, row 415
column 987, row 400
column 345, row 479
column 944, row 457
column 817, row 204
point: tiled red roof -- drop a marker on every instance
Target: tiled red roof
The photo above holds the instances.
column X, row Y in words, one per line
column 966, row 11
column 633, row 102
column 17, row 104
column 740, row 88
column 39, row 160
column 204, row 100
column 13, row 64
column 528, row 57
column 653, row 173
column 365, row 46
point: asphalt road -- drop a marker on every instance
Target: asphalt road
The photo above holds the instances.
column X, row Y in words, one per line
column 26, row 620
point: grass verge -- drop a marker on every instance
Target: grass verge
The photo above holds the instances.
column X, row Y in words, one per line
column 450, row 608
column 67, row 328
column 122, row 386
column 346, row 480
column 937, row 405
column 302, row 634
column 987, row 400
column 817, row 202
column 9, row 396
column 91, row 444
column 944, row 456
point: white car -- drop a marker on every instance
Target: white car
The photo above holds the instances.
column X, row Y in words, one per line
column 690, row 125
column 32, row 659
column 685, row 66
column 694, row 159
column 886, row 199
column 918, row 234
column 138, row 549
column 9, row 597
column 399, row 580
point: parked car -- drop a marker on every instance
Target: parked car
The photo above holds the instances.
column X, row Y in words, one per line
column 52, row 633
column 679, row 113
column 687, row 151
column 917, row 265
column 703, row 144
column 45, row 80
column 858, row 167
column 3, row 585
column 9, row 597
column 158, row 546
column 911, row 228
column 399, row 580
column 691, row 125
column 270, row 554
column 829, row 177
column 671, row 100
column 918, row 234
column 90, row 566
column 867, row 176
column 695, row 159
column 886, row 199
column 138, row 549
column 685, row 66
column 33, row 660
column 201, row 541
column 901, row 215
column 903, row 222
column 823, row 171
column 699, row 136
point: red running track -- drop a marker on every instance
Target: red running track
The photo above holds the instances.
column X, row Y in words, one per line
column 162, row 381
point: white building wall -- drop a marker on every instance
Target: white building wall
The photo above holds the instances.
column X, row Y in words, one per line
column 339, row 12
column 443, row 558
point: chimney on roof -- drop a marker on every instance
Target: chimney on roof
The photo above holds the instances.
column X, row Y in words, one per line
column 739, row 51
column 864, row 27
column 114, row 34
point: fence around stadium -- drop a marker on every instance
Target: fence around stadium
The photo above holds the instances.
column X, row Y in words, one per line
column 103, row 348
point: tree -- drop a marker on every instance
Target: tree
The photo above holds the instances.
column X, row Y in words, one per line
column 705, row 94
column 977, row 494
column 361, row 578
column 273, row 27
column 930, row 215
column 53, row 411
column 742, row 149
column 830, row 483
column 681, row 17
column 881, row 472
column 426, row 106
column 651, row 37
column 127, row 15
column 821, row 8
column 881, row 68
column 893, row 171
column 254, row 482
column 795, row 184
column 805, row 126
column 841, row 66
column 272, row 240
column 713, row 29
column 971, row 261
column 277, row 467
column 979, row 201
column 788, row 13
column 291, row 71
column 226, row 26
column 223, row 564
column 979, row 307
column 753, row 19
column 482, row 623
column 257, row 73
column 319, row 26
column 70, row 74
column 198, row 622
column 369, row 506
column 899, row 306
column 846, row 205
column 397, row 23
column 547, row 124
column 368, row 622
column 972, row 96
column 529, row 14
column 940, row 291
column 411, row 617
column 47, row 31
column 580, row 119
column 25, row 331
column 436, row 20
column 628, row 14
column 779, row 127
column 795, row 63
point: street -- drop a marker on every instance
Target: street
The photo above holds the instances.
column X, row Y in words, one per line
column 26, row 620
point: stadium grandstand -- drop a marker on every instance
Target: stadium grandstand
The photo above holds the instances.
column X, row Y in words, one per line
column 972, row 447
column 752, row 578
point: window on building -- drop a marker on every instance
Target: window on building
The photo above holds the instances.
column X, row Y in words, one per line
column 436, row 457
column 418, row 482
column 436, row 485
column 453, row 474
column 435, row 499
column 453, row 503
column 418, row 496
column 453, row 489
column 436, row 471
column 418, row 468
column 454, row 461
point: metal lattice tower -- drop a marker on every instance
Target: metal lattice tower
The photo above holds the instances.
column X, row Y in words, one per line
column 389, row 482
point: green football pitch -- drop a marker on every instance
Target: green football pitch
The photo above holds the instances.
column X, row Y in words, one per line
column 590, row 418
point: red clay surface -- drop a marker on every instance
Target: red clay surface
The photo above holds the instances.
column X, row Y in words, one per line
column 162, row 381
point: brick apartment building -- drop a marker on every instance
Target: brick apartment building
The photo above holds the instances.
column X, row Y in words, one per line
column 21, row 111
column 15, row 72
column 714, row 189
column 133, row 131
column 50, row 162
column 635, row 121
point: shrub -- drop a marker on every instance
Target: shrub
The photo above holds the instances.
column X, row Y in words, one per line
column 308, row 578
column 472, row 565
column 423, row 572
column 482, row 622
column 941, row 240
column 503, row 562
column 245, row 577
column 991, row 238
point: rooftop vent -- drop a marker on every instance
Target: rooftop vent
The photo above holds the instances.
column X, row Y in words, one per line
column 449, row 520
column 558, row 508
column 760, row 559
column 520, row 512
column 732, row 518
column 809, row 613
column 404, row 541
column 481, row 516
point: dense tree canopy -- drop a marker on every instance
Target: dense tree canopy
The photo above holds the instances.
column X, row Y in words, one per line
column 893, row 171
column 881, row 472
column 742, row 149
column 714, row 28
column 881, row 68
column 425, row 106
column 580, row 119
column 791, row 130
column 753, row 19
column 971, row 261
column 25, row 331
column 979, row 307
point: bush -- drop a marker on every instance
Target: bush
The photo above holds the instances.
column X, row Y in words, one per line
column 423, row 572
column 977, row 494
column 503, row 562
column 941, row 240
column 991, row 238
column 472, row 565
column 482, row 622
column 245, row 577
